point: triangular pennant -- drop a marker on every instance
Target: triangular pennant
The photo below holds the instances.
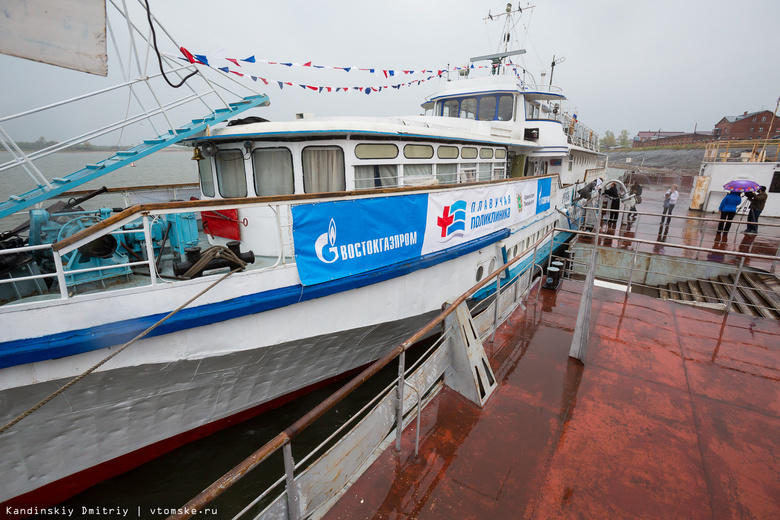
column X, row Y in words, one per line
column 250, row 59
column 307, row 64
column 224, row 69
column 233, row 60
column 201, row 58
column 254, row 78
column 286, row 64
column 281, row 85
column 347, row 69
column 187, row 54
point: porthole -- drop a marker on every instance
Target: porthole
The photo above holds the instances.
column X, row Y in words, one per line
column 418, row 151
column 468, row 152
column 376, row 151
column 480, row 272
column 485, row 153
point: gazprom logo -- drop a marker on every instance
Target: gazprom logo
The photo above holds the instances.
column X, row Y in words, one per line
column 325, row 239
column 360, row 248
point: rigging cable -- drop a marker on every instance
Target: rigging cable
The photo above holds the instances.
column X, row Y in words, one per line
column 157, row 51
column 106, row 359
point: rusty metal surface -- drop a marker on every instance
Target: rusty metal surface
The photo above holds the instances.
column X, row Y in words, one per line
column 676, row 414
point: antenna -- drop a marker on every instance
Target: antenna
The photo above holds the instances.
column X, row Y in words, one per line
column 498, row 58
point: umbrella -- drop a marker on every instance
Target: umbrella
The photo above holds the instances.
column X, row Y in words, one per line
column 741, row 186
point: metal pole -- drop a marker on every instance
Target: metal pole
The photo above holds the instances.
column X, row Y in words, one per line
column 701, row 236
column 149, row 249
column 736, row 282
column 400, row 400
column 582, row 328
column 293, row 513
column 419, row 407
column 633, row 266
column 60, row 274
column 496, row 310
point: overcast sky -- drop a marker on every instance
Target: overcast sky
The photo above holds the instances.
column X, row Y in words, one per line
column 668, row 65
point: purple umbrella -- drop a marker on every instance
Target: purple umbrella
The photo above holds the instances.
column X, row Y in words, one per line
column 741, row 186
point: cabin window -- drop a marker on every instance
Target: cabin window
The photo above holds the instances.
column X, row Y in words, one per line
column 505, row 108
column 418, row 151
column 447, row 173
column 418, row 174
column 487, row 108
column 323, row 169
column 273, row 171
column 450, row 108
column 483, row 171
column 485, row 153
column 500, row 153
column 774, row 186
column 468, row 108
column 498, row 171
column 468, row 172
column 376, row 151
column 206, row 177
column 230, row 173
column 376, row 176
column 447, row 152
column 468, row 152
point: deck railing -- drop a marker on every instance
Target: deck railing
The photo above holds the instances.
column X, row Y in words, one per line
column 736, row 150
column 487, row 316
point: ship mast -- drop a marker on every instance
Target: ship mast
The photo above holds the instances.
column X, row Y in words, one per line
column 498, row 59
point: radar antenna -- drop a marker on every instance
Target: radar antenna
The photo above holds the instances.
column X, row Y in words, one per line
column 498, row 58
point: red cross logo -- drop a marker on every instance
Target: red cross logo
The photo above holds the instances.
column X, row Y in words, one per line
column 444, row 221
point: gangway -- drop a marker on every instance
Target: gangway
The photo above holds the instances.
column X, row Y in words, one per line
column 59, row 185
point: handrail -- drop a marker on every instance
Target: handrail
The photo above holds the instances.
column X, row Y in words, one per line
column 140, row 209
column 285, row 437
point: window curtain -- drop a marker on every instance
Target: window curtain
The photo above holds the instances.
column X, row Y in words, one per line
column 376, row 176
column 323, row 169
column 230, row 173
column 273, row 172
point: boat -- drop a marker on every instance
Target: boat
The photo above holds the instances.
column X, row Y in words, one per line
column 727, row 160
column 316, row 245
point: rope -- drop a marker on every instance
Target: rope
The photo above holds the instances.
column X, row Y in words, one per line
column 109, row 357
column 209, row 255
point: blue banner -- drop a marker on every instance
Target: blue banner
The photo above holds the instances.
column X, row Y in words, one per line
column 338, row 239
column 543, row 191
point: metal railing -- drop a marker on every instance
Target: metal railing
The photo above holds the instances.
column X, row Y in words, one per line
column 735, row 150
column 490, row 314
column 664, row 264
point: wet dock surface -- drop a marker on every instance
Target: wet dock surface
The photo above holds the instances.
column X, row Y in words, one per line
column 674, row 414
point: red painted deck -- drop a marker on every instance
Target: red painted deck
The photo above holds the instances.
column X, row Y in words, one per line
column 675, row 414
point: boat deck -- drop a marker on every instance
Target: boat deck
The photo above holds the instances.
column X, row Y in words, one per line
column 675, row 414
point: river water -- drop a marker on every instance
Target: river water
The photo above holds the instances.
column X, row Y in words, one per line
column 168, row 167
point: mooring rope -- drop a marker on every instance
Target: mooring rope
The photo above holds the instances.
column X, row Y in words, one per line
column 120, row 349
column 209, row 255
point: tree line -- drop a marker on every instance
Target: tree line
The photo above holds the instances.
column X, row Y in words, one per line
column 610, row 141
column 42, row 143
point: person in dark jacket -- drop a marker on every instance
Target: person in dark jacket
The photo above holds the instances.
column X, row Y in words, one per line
column 728, row 208
column 613, row 196
column 757, row 202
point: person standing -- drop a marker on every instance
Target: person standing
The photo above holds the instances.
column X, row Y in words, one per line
column 636, row 191
column 757, row 202
column 613, row 196
column 670, row 199
column 728, row 208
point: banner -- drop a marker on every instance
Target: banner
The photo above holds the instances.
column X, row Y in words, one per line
column 459, row 216
column 338, row 239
